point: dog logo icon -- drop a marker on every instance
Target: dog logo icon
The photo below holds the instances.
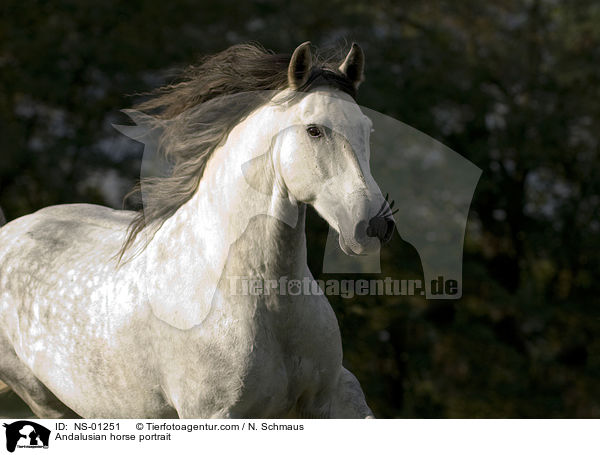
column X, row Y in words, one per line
column 26, row 434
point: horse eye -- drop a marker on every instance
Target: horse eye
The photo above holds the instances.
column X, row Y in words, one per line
column 314, row 131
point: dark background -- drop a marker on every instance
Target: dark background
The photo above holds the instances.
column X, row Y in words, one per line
column 513, row 86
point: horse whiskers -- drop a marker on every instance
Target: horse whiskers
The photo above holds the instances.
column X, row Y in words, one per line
column 386, row 212
column 381, row 209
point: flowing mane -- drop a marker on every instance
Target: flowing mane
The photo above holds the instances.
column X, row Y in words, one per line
column 196, row 114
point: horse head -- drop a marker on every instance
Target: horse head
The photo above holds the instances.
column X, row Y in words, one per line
column 322, row 153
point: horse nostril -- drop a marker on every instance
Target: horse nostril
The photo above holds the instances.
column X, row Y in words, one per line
column 377, row 227
column 381, row 227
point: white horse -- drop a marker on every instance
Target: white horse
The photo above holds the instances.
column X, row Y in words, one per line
column 160, row 334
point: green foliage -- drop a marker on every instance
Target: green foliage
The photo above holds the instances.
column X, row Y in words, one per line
column 512, row 85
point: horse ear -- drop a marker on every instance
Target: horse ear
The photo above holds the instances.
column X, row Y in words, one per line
column 300, row 66
column 354, row 65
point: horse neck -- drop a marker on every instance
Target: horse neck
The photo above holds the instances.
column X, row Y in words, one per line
column 229, row 226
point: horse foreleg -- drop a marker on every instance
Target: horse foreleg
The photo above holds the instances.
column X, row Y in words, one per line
column 22, row 381
column 349, row 400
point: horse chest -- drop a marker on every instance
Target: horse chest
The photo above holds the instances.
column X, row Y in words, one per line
column 254, row 369
column 291, row 365
column 275, row 379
